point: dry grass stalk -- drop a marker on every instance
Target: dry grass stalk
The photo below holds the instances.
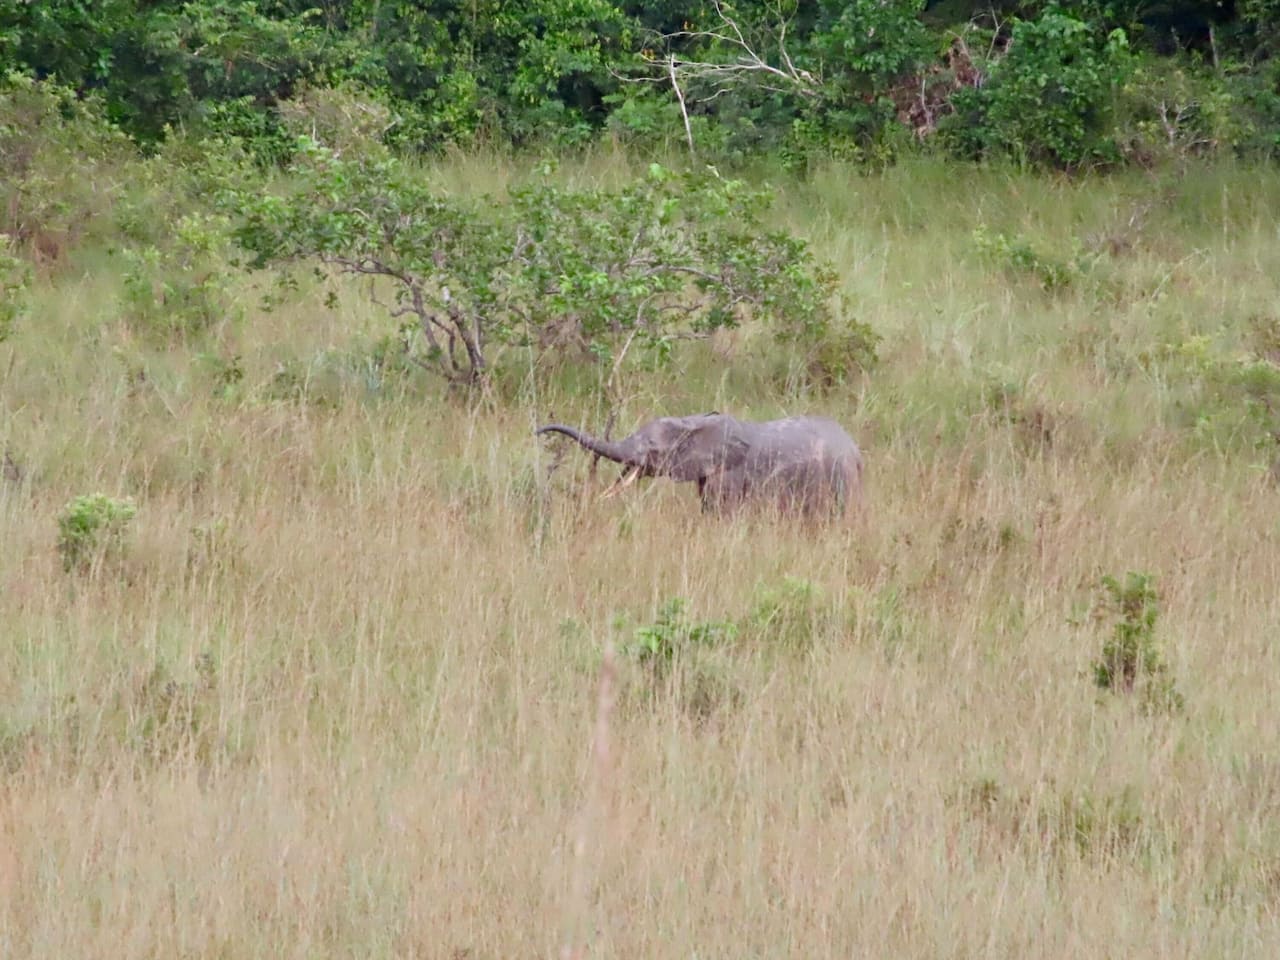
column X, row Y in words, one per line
column 598, row 778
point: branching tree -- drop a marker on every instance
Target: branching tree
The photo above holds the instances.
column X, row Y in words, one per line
column 670, row 256
column 728, row 56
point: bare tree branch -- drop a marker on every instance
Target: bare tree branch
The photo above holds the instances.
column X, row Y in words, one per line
column 684, row 110
column 749, row 65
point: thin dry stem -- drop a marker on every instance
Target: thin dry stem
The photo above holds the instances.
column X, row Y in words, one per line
column 598, row 779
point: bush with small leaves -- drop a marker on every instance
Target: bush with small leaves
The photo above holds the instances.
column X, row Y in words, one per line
column 181, row 288
column 680, row 658
column 791, row 614
column 660, row 643
column 63, row 166
column 92, row 526
column 1069, row 822
column 1018, row 257
column 15, row 278
column 551, row 271
column 1131, row 658
column 165, row 717
column 1227, row 399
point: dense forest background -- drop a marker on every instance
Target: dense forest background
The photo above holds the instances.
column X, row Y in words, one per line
column 1067, row 85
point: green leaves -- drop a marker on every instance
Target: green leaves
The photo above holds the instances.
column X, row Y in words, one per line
column 15, row 278
column 1048, row 99
column 91, row 525
column 670, row 255
column 1131, row 657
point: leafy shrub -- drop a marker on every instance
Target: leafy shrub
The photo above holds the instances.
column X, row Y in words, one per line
column 162, row 65
column 62, row 166
column 1033, row 426
column 1131, row 657
column 1048, row 98
column 1177, row 110
column 836, row 350
column 349, row 119
column 92, row 526
column 644, row 115
column 659, row 644
column 677, row 659
column 15, row 278
column 556, row 271
column 181, row 287
column 1076, row 823
column 1019, row 257
column 1228, row 397
column 245, row 123
column 366, row 368
column 226, row 374
column 167, row 717
column 212, row 546
column 1171, row 111
column 864, row 48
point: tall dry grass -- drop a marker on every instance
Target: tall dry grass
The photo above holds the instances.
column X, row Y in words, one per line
column 338, row 697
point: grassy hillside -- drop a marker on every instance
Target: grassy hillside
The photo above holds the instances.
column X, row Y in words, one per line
column 335, row 694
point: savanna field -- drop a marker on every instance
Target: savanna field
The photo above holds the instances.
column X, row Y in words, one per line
column 336, row 688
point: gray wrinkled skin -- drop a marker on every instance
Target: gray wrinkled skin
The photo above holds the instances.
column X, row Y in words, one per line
column 808, row 465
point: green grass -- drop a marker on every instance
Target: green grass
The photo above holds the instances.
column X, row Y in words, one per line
column 336, row 697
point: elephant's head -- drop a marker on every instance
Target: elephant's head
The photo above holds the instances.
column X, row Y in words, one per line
column 682, row 448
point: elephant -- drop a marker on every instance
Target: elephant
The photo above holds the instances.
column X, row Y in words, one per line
column 808, row 465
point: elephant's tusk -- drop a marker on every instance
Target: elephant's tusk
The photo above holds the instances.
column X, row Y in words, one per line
column 624, row 481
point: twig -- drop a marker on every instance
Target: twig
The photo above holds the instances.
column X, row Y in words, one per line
column 748, row 63
column 684, row 110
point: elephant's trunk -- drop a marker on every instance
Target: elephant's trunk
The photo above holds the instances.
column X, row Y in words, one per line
column 609, row 449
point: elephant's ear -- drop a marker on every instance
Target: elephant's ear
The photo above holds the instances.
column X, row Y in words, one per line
column 707, row 446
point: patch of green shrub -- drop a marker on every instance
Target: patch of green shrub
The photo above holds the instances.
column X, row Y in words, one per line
column 183, row 287
column 1019, row 257
column 1084, row 823
column 1048, row 97
column 15, row 278
column 62, row 166
column 790, row 615
column 1131, row 659
column 555, row 273
column 678, row 658
column 92, row 526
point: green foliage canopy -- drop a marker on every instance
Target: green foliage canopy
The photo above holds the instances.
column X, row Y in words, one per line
column 668, row 256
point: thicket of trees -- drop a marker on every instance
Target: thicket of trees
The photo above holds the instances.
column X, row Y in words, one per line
column 1103, row 81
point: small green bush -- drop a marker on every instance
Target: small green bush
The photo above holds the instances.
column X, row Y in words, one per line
column 1226, row 398
column 63, row 166
column 1018, row 257
column 225, row 373
column 1080, row 822
column 680, row 659
column 165, row 717
column 181, row 288
column 1131, row 658
column 659, row 644
column 15, row 278
column 92, row 526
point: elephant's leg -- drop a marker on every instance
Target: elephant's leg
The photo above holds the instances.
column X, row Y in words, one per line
column 722, row 492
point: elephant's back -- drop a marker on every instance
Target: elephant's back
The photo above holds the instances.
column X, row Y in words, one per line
column 813, row 436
